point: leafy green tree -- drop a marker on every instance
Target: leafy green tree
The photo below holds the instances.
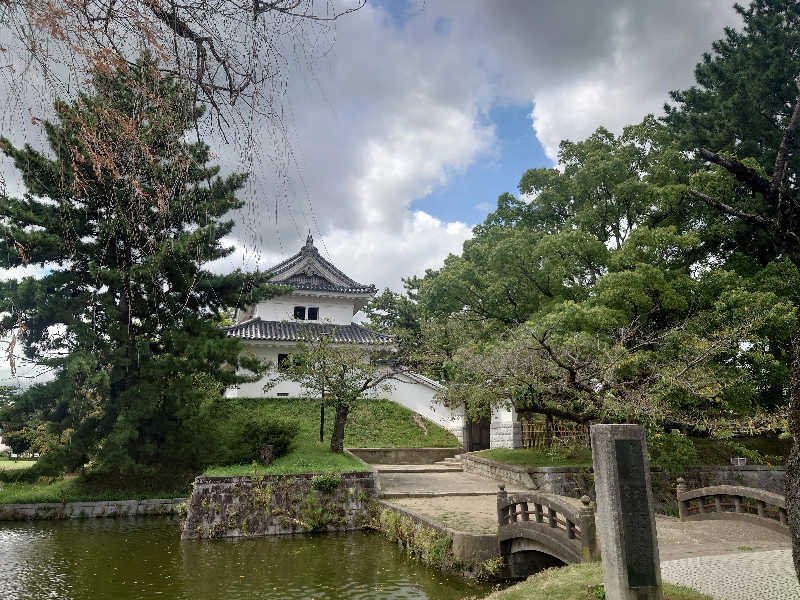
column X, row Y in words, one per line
column 741, row 123
column 125, row 311
column 339, row 374
column 398, row 315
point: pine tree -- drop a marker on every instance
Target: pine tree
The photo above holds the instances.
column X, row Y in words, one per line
column 124, row 217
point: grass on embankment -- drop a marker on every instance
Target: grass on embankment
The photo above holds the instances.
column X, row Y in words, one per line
column 370, row 424
column 534, row 457
column 571, row 583
column 11, row 465
column 73, row 489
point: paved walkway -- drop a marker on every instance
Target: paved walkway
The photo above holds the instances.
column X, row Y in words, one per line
column 728, row 560
column 745, row 576
column 400, row 484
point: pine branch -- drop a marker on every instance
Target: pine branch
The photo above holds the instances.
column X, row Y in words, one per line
column 734, row 212
column 781, row 160
column 742, row 172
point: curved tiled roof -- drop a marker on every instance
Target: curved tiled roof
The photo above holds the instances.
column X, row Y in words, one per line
column 290, row 331
column 313, row 280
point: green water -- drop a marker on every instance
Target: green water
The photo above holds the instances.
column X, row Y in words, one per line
column 144, row 558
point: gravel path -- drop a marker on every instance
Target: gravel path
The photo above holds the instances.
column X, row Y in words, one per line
column 745, row 576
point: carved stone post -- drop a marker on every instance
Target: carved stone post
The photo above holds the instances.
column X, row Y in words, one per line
column 586, row 522
column 683, row 506
column 626, row 522
column 501, row 504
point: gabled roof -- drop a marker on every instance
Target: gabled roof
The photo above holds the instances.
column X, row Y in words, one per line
column 308, row 270
column 289, row 331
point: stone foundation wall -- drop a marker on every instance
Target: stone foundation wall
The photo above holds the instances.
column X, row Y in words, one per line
column 505, row 435
column 276, row 504
column 79, row 510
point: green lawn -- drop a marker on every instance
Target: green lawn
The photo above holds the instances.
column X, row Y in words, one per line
column 531, row 457
column 371, row 424
column 9, row 465
column 71, row 489
column 571, row 583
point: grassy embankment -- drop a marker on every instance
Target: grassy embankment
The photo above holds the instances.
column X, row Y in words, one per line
column 572, row 583
column 372, row 423
column 709, row 452
column 13, row 465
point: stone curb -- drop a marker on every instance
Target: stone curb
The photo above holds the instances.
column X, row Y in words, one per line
column 79, row 510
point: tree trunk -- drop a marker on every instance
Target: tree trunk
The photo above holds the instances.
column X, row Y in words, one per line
column 793, row 466
column 548, row 431
column 322, row 419
column 337, row 439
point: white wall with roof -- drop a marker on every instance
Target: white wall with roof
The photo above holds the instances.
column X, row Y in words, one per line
column 411, row 390
column 338, row 311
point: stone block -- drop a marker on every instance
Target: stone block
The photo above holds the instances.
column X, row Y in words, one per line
column 626, row 524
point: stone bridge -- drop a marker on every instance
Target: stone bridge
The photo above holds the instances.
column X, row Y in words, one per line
column 537, row 530
column 726, row 502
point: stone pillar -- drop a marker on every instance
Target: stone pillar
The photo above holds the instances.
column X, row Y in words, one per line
column 683, row 506
column 626, row 523
column 505, row 430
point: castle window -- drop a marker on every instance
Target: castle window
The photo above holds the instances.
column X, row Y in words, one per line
column 313, row 313
column 300, row 312
column 283, row 362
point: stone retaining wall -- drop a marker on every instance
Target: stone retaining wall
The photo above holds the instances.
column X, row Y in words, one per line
column 276, row 504
column 404, row 456
column 77, row 510
column 469, row 548
column 576, row 481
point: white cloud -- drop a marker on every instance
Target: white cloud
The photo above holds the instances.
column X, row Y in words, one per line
column 394, row 112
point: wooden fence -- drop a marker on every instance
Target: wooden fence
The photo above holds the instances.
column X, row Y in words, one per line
column 536, row 435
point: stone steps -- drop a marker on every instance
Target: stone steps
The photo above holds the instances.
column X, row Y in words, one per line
column 440, row 467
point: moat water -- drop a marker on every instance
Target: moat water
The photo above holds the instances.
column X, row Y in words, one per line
column 144, row 558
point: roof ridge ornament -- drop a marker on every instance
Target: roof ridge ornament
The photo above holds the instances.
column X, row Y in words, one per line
column 309, row 247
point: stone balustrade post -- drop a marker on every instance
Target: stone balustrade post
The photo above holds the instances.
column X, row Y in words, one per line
column 590, row 548
column 502, row 495
column 683, row 506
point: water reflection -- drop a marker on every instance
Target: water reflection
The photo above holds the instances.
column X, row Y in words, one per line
column 144, row 558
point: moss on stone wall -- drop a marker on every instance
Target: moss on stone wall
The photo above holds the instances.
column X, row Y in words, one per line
column 270, row 505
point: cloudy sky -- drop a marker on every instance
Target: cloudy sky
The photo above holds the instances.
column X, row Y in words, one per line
column 401, row 134
column 422, row 113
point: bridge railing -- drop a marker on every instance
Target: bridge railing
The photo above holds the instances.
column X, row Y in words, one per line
column 555, row 516
column 732, row 502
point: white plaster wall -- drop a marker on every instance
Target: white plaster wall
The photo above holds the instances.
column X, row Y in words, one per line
column 338, row 311
column 265, row 352
column 420, row 398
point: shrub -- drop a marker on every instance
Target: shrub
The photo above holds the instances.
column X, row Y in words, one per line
column 674, row 451
column 253, row 434
column 326, row 482
column 16, row 440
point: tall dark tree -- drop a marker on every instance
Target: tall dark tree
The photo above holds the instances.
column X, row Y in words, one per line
column 742, row 122
column 124, row 216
